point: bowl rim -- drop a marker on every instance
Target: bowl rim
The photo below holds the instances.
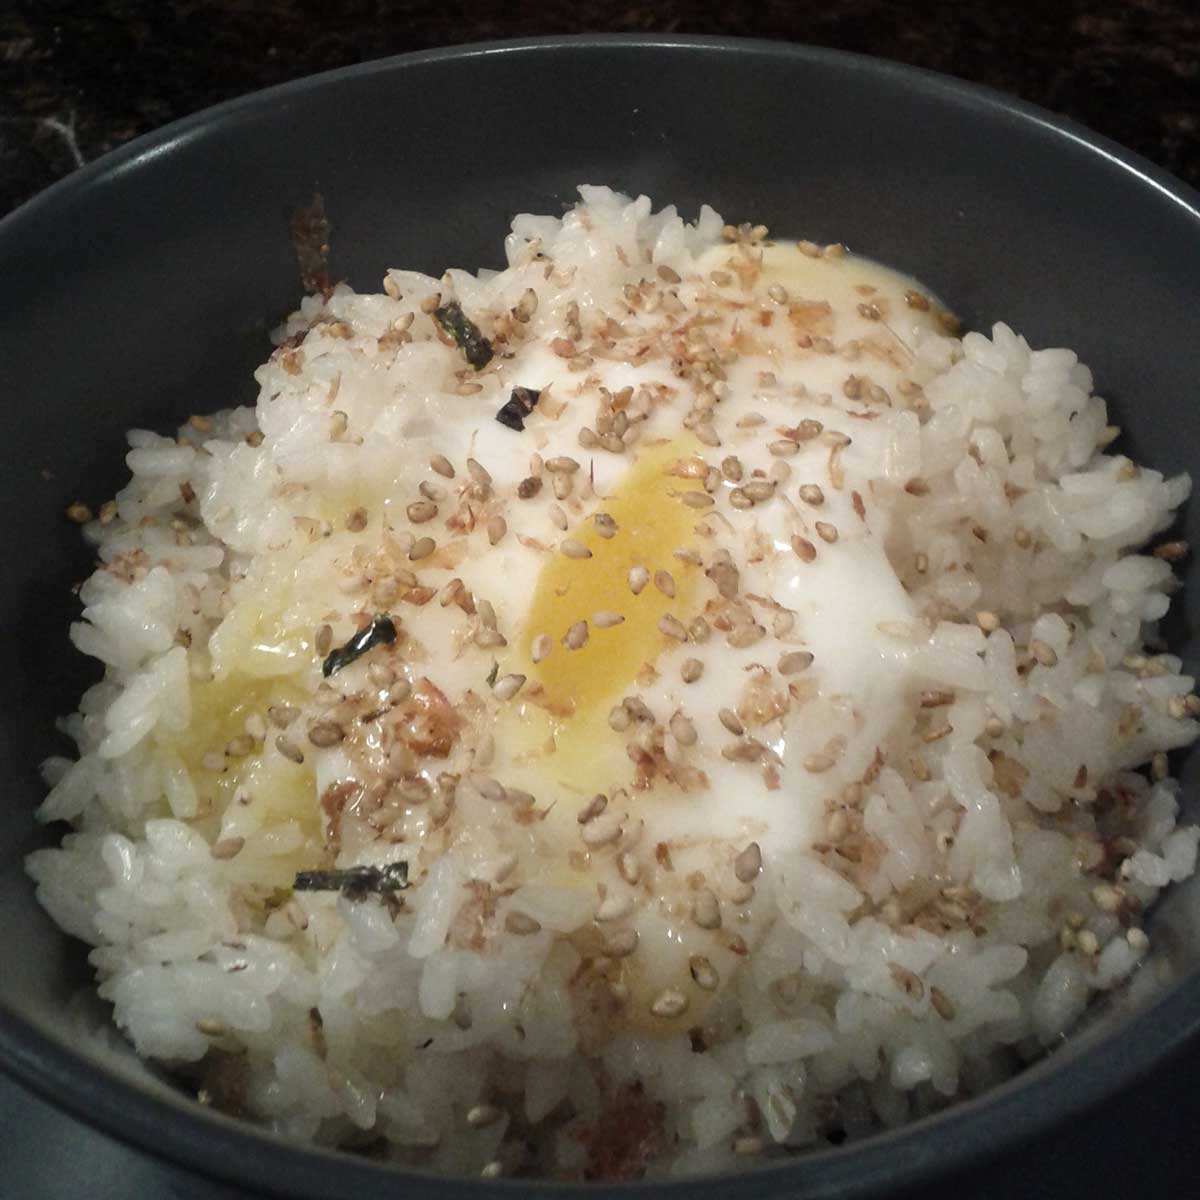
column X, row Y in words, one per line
column 229, row 1150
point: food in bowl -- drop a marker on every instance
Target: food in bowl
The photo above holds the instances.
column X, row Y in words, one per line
column 661, row 707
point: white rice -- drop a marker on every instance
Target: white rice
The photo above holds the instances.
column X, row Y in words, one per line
column 1007, row 874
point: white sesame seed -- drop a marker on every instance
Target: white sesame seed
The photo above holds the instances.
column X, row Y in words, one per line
column 748, row 863
column 706, row 910
column 670, row 1002
column 606, row 619
column 665, row 582
column 691, row 670
column 576, row 637
column 621, row 943
column 592, row 809
column 572, row 548
column 794, row 662
column 682, row 729
column 731, row 721
column 497, row 527
column 703, row 973
column 507, row 686
column 672, row 627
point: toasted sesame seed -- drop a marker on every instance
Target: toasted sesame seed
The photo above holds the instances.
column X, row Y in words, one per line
column 748, row 863
column 783, row 448
column 706, row 910
column 558, row 516
column 487, row 639
column 703, row 973
column 323, row 639
column 670, row 1002
column 282, row 715
column 540, row 647
column 420, row 511
column 528, row 488
column 289, row 749
column 731, row 721
column 325, row 733
column 691, row 670
column 987, row 621
column 606, row 619
column 520, row 924
column 1137, row 939
column 592, row 809
column 240, row 746
column 739, row 500
column 638, row 578
column 1171, row 551
column 606, row 527
column 682, row 730
column 497, row 527
column 759, row 489
column 1087, row 942
column 478, row 472
column 731, row 469
column 562, row 464
column 423, row 547
column 576, row 637
column 526, row 306
column 812, row 494
column 782, row 623
column 665, row 582
column 706, row 435
column 507, row 686
column 827, row 532
column 573, row 548
column 745, row 635
column 818, row 763
column 778, row 293
column 795, row 662
column 697, row 499
column 227, row 848
column 629, row 868
column 672, row 627
column 356, row 519
column 699, row 629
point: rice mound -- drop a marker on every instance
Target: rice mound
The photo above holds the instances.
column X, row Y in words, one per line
column 1003, row 858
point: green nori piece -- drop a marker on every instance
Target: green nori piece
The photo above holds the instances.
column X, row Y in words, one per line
column 355, row 883
column 381, row 631
column 517, row 407
column 477, row 350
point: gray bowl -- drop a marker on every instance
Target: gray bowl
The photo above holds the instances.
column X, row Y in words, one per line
column 141, row 289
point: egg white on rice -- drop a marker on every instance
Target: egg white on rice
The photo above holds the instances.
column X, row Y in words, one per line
column 768, row 728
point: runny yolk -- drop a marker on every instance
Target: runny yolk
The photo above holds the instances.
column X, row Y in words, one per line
column 579, row 686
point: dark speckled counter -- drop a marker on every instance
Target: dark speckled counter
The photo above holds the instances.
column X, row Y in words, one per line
column 78, row 79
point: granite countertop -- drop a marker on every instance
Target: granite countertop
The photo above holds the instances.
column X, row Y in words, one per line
column 77, row 80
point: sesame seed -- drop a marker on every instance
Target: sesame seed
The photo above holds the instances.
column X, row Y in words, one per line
column 576, row 637
column 605, row 619
column 706, row 910
column 478, row 472
column 507, row 686
column 558, row 516
column 827, row 532
column 487, row 639
column 759, row 489
column 638, row 578
column 289, row 749
column 497, row 527
column 816, row 764
column 748, row 863
column 420, row 511
column 682, row 730
column 323, row 639
column 809, row 249
column 528, row 488
column 562, row 465
column 812, row 494
column 540, row 647
column 745, row 635
column 699, row 629
column 629, row 868
column 669, row 1003
column 526, row 306
column 1087, row 942
column 783, row 448
column 282, row 715
column 672, row 627
column 606, row 527
column 691, row 670
column 592, row 809
column 731, row 469
column 1137, row 939
column 706, row 435
column 423, row 547
column 739, row 500
column 731, row 721
column 520, row 924
column 325, row 733
column 941, row 1004
column 240, row 746
column 782, row 623
column 703, row 973
column 227, row 848
column 987, row 621
column 356, row 519
column 573, row 548
column 1106, row 898
column 1171, row 551
column 795, row 662
column 697, row 499
column 778, row 293
column 665, row 582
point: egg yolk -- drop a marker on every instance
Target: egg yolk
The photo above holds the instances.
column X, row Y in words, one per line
column 578, row 686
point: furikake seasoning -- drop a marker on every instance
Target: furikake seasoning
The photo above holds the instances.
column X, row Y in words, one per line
column 380, row 632
column 517, row 407
column 451, row 319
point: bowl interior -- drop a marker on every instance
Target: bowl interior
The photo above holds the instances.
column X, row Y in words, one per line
column 142, row 290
